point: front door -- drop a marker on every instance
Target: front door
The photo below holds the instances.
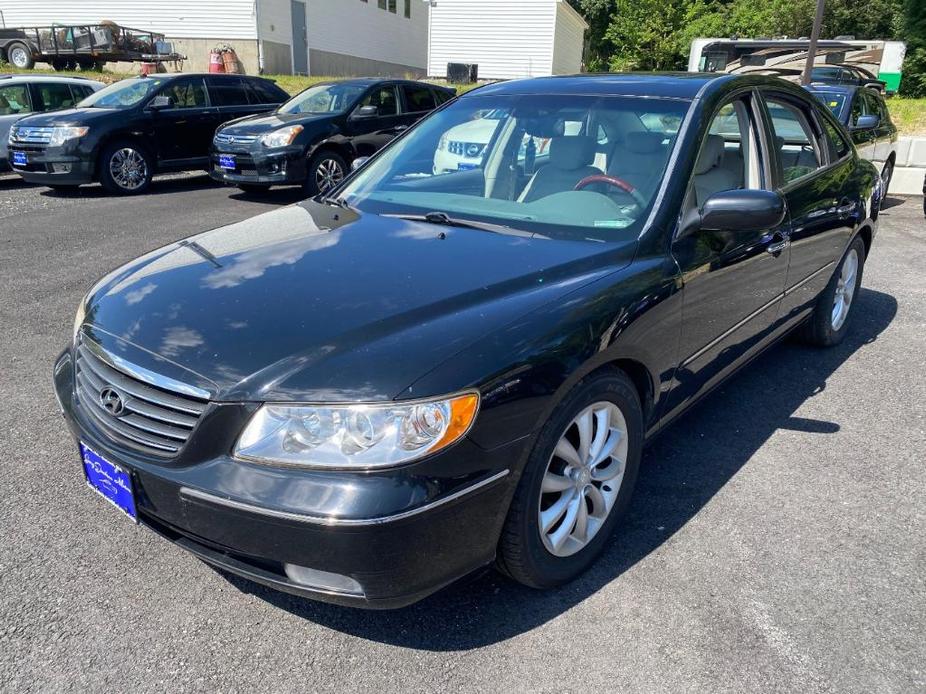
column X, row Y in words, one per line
column 733, row 278
column 300, row 39
column 371, row 132
column 184, row 130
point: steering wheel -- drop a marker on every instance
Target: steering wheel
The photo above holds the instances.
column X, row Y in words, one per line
column 618, row 183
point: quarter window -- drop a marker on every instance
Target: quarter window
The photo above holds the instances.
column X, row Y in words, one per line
column 798, row 149
column 14, row 100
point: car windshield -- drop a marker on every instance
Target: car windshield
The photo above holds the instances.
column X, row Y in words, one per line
column 834, row 101
column 564, row 166
column 123, row 94
column 324, row 98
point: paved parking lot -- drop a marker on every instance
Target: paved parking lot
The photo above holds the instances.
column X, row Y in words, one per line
column 776, row 542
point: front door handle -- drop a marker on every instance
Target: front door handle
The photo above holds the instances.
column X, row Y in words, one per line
column 846, row 207
column 780, row 242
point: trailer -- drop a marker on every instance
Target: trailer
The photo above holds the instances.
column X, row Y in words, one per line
column 84, row 46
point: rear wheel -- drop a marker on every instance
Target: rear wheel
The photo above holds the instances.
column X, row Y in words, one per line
column 20, row 56
column 829, row 322
column 576, row 484
column 125, row 168
column 324, row 171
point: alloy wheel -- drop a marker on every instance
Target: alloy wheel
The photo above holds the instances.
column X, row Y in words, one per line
column 328, row 174
column 582, row 479
column 845, row 290
column 128, row 168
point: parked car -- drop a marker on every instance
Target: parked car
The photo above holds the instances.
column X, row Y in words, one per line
column 365, row 396
column 312, row 139
column 850, row 75
column 865, row 114
column 124, row 134
column 23, row 95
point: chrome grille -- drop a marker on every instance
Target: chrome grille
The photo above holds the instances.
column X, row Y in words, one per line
column 238, row 143
column 30, row 135
column 471, row 150
column 153, row 420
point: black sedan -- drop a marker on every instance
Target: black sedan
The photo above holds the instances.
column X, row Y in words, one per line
column 133, row 129
column 865, row 114
column 364, row 397
column 312, row 139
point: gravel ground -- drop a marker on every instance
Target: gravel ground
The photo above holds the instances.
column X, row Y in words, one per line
column 776, row 542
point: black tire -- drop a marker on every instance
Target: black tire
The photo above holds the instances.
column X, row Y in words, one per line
column 820, row 330
column 522, row 554
column 253, row 188
column 313, row 169
column 139, row 183
column 20, row 55
column 887, row 173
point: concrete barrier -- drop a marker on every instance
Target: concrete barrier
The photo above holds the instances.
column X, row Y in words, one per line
column 910, row 168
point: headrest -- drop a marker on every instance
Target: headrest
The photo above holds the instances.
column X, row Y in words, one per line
column 711, row 154
column 643, row 142
column 569, row 153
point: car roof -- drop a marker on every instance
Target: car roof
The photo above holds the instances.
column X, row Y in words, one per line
column 30, row 77
column 677, row 85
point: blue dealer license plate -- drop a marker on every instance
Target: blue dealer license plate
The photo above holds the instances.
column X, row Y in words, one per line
column 112, row 482
column 20, row 159
column 226, row 161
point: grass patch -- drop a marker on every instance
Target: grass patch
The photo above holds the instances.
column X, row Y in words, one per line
column 909, row 115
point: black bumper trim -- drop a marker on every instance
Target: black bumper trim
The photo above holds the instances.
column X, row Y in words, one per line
column 337, row 522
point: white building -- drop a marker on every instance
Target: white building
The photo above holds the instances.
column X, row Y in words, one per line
column 320, row 37
column 506, row 38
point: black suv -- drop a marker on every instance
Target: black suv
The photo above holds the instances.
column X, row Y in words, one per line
column 312, row 138
column 137, row 127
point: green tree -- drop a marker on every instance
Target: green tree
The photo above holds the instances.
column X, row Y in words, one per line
column 913, row 31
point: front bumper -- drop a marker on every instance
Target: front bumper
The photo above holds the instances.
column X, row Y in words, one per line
column 398, row 535
column 260, row 167
column 52, row 166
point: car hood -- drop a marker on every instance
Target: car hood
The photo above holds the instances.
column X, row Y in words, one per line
column 479, row 130
column 318, row 303
column 256, row 125
column 69, row 116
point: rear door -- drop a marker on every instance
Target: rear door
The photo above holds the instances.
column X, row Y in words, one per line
column 370, row 133
column 813, row 164
column 184, row 131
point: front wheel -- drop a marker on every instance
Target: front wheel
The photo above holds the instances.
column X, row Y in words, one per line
column 125, row 168
column 324, row 171
column 576, row 484
column 829, row 322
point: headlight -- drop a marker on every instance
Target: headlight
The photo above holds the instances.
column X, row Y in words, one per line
column 355, row 436
column 281, row 137
column 79, row 318
column 61, row 134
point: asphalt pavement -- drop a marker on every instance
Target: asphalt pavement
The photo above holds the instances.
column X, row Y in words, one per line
column 776, row 542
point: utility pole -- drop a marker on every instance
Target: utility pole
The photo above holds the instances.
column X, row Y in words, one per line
column 814, row 37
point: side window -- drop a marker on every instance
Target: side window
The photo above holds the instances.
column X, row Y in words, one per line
column 80, row 92
column 442, row 96
column 14, row 100
column 227, row 91
column 264, row 93
column 872, row 107
column 384, row 98
column 729, row 156
column 187, row 93
column 837, row 143
column 798, row 149
column 418, row 98
column 55, row 95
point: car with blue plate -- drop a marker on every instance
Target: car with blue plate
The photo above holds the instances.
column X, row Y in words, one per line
column 366, row 396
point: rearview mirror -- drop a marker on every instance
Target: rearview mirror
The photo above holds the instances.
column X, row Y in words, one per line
column 358, row 162
column 866, row 122
column 366, row 112
column 160, row 102
column 742, row 210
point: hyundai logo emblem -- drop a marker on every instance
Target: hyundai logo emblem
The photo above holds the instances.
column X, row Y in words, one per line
column 473, row 150
column 112, row 402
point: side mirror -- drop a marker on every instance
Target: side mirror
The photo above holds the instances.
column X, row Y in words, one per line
column 366, row 112
column 867, row 122
column 358, row 163
column 742, row 210
column 161, row 102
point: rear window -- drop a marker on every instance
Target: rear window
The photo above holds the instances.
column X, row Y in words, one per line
column 55, row 95
column 14, row 100
column 228, row 91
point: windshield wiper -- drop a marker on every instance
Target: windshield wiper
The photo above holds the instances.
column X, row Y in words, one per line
column 443, row 219
column 339, row 202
